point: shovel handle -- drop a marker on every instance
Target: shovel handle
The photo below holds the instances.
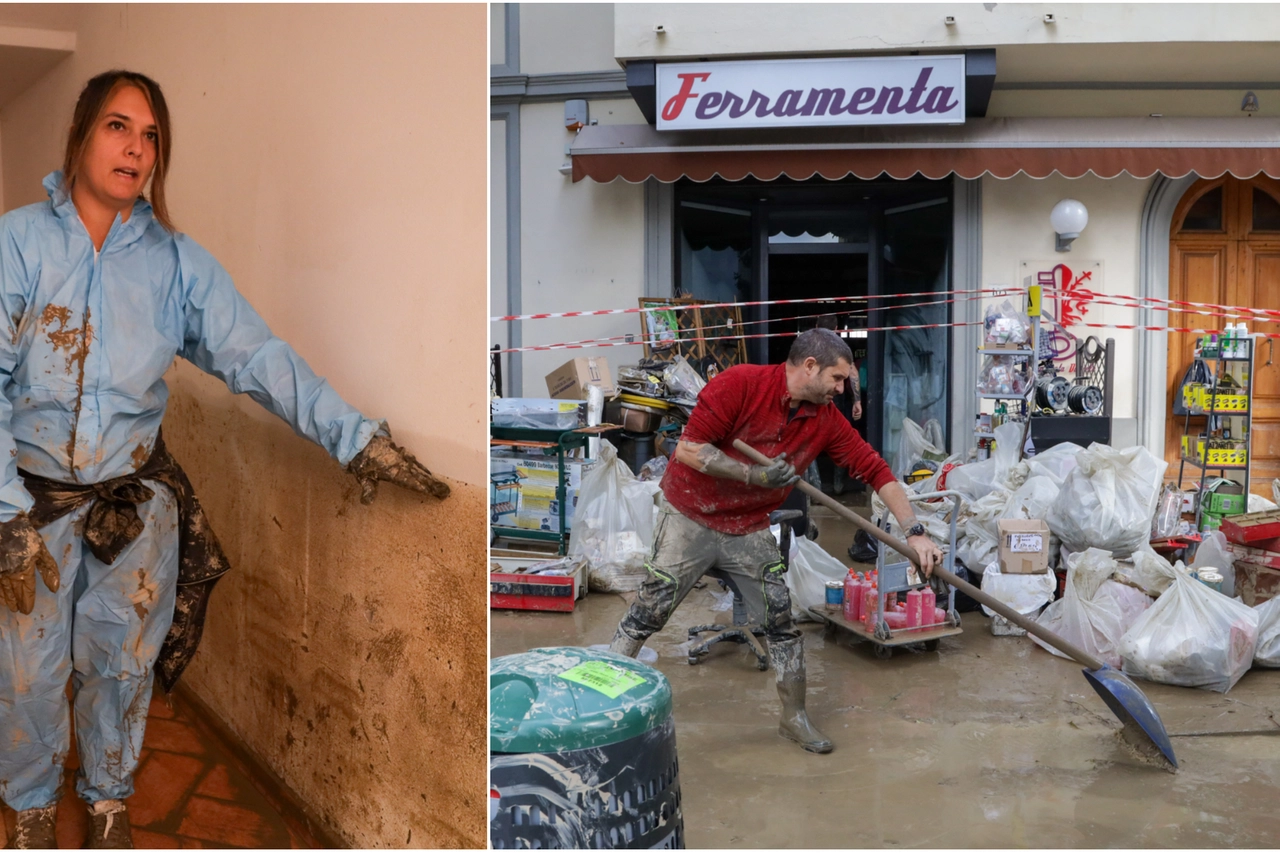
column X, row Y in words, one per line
column 905, row 550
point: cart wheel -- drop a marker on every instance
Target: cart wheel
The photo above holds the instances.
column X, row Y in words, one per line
column 762, row 665
column 931, row 645
column 884, row 652
column 694, row 660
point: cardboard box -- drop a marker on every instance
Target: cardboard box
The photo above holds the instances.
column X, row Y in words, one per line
column 522, row 491
column 570, row 380
column 512, row 587
column 1024, row 546
column 537, row 413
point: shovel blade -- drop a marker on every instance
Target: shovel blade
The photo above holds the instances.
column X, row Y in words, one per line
column 1133, row 708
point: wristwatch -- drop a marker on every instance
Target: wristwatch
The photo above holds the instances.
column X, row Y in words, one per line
column 916, row 529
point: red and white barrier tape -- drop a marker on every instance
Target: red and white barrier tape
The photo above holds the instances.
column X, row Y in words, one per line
column 676, row 306
column 1082, row 296
column 635, row 341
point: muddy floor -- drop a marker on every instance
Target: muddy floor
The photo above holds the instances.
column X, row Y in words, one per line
column 988, row 742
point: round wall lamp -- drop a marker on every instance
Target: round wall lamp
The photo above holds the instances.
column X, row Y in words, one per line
column 1068, row 217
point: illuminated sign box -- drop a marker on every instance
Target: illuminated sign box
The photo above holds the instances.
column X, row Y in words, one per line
column 888, row 90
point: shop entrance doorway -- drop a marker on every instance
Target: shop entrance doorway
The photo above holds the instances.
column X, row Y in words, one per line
column 1225, row 249
column 880, row 250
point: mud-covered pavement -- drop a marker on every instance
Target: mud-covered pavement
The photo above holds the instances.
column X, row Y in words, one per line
column 988, row 742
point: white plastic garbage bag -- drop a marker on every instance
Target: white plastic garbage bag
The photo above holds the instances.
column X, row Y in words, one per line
column 918, row 443
column 1108, row 500
column 1148, row 572
column 1033, row 498
column 1257, row 503
column 934, row 515
column 1267, row 652
column 974, row 480
column 1003, row 470
column 1091, row 622
column 1056, row 462
column 1010, row 473
column 1024, row 593
column 1192, row 636
column 1131, row 602
column 807, row 576
column 613, row 524
column 1214, row 553
column 980, row 542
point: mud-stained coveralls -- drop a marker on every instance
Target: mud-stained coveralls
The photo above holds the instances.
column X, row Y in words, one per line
column 84, row 343
column 708, row 522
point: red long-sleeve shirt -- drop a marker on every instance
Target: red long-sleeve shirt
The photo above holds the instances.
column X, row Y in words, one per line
column 751, row 402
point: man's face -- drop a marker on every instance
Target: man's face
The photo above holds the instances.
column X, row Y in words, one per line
column 121, row 152
column 822, row 384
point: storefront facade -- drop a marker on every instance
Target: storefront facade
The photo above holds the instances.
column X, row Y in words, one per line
column 1121, row 108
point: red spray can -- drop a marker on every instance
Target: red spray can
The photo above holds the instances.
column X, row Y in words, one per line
column 927, row 605
column 913, row 608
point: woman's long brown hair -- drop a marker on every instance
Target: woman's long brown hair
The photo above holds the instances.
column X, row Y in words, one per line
column 89, row 108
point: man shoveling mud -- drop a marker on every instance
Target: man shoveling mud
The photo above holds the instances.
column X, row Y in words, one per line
column 98, row 293
column 714, row 509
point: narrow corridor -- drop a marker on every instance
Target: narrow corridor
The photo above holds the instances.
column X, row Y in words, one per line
column 190, row 791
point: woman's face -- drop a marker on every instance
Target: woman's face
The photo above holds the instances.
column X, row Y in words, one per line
column 121, row 152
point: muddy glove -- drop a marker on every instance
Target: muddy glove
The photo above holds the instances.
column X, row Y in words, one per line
column 382, row 459
column 776, row 475
column 22, row 552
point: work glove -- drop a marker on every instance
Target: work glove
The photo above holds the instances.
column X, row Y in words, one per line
column 22, row 552
column 383, row 459
column 778, row 474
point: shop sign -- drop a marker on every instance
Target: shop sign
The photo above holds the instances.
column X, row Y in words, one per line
column 886, row 90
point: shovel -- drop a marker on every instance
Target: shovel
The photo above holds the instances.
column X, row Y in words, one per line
column 1142, row 725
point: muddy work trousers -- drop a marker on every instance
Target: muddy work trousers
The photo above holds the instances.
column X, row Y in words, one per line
column 684, row 551
column 102, row 630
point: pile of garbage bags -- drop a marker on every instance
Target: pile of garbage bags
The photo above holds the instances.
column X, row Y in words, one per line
column 1156, row 621
column 1121, row 601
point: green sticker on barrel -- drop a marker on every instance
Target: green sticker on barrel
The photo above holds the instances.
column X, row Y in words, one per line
column 603, row 677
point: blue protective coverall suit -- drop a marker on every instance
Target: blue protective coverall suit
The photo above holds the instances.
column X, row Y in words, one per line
column 84, row 344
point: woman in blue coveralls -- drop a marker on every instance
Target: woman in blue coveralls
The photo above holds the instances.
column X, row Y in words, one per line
column 99, row 292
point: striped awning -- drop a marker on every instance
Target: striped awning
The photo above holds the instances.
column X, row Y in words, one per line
column 1001, row 147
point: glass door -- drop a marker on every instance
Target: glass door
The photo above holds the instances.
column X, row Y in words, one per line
column 910, row 366
column 714, row 252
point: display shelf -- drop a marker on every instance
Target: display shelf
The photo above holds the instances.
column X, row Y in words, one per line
column 1241, row 422
column 999, row 351
column 563, row 441
column 1195, row 463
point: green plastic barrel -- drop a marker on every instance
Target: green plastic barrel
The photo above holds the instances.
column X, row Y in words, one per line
column 582, row 753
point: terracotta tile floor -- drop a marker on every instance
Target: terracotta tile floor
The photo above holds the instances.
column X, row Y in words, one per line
column 189, row 791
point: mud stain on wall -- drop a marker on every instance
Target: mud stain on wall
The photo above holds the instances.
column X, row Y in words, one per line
column 348, row 646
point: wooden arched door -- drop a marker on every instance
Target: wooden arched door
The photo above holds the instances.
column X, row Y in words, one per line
column 1224, row 248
